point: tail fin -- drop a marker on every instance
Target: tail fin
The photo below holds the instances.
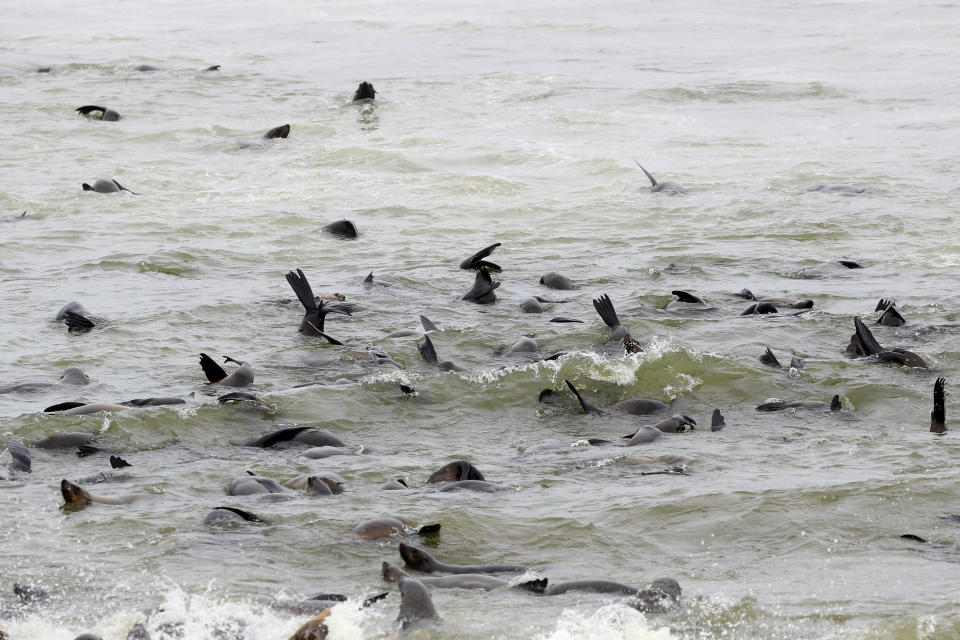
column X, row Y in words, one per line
column 607, row 313
column 476, row 260
column 769, row 359
column 938, row 417
column 427, row 351
column 77, row 322
column 211, row 369
column 884, row 304
column 835, row 403
column 298, row 282
column 427, row 324
column 867, row 341
column 653, row 181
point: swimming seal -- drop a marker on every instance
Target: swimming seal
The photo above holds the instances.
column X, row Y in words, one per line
column 304, row 435
column 104, row 185
column 667, row 186
column 828, row 268
column 476, row 261
column 891, row 315
column 241, row 377
column 230, row 518
column 108, row 115
column 661, row 595
column 609, row 316
column 760, row 308
column 67, row 440
column 83, row 409
column 429, row 355
column 77, row 495
column 687, row 302
column 531, row 305
column 364, row 92
column 325, row 484
column 342, row 229
column 454, row 472
column 770, row 360
column 482, row 291
column 862, row 343
column 716, row 421
column 71, row 375
column 782, row 301
column 416, row 607
column 524, row 345
column 475, row 581
column 633, row 406
column 938, row 417
column 420, row 560
column 554, row 280
column 378, row 528
column 153, row 402
column 833, row 405
column 249, row 485
column 278, row 132
column 315, row 310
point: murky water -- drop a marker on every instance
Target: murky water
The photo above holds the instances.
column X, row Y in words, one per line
column 517, row 125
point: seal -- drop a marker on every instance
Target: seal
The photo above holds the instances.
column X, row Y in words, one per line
column 66, row 440
column 19, row 457
column 473, row 581
column 71, row 375
column 660, row 596
column 342, row 229
column 938, row 417
column 667, row 186
column 378, row 528
column 609, row 316
column 153, row 402
column 364, row 92
column 633, row 406
column 482, row 291
column 454, row 472
column 677, row 423
column 108, row 115
column 760, row 308
column 524, row 344
column 833, row 405
column 770, row 360
column 315, row 310
column 591, row 586
column 303, row 435
column 531, row 305
column 416, row 607
column 77, row 495
column 319, row 484
column 314, row 628
column 794, row 303
column 251, row 484
column 105, row 185
column 687, row 302
column 716, row 421
column 230, row 518
column 476, row 261
column 420, row 560
column 277, row 132
column 429, row 355
column 862, row 343
column 241, row 377
column 554, row 280
column 891, row 316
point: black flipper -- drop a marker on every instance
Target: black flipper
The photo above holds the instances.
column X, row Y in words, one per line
column 597, row 442
column 77, row 322
column 369, row 601
column 769, row 359
column 86, row 187
column 476, row 260
column 123, row 188
column 369, row 278
column 278, row 132
column 850, row 264
column 85, row 450
column 427, row 351
column 884, row 304
column 716, row 421
column 587, row 407
column 546, row 395
column 653, row 181
column 116, row 462
column 213, row 371
column 246, row 515
column 772, row 406
column 483, row 285
column 20, row 456
column 283, row 435
column 428, row 325
column 889, row 318
column 607, row 313
column 298, row 282
column 683, row 296
column 867, row 341
column 915, row 538
column 562, row 319
column 428, row 530
column 63, row 406
column 835, row 403
column 938, row 417
column 87, row 109
column 407, row 391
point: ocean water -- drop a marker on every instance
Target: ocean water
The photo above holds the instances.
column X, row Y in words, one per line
column 493, row 123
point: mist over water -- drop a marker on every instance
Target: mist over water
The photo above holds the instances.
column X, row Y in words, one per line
column 514, row 124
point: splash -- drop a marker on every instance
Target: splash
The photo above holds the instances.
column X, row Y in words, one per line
column 611, row 622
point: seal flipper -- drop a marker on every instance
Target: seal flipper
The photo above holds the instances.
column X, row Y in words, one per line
column 891, row 317
column 246, row 515
column 77, row 322
column 427, row 351
column 587, row 407
column 867, row 341
column 328, row 338
column 716, row 421
column 850, row 264
column 884, row 304
column 683, row 296
column 298, row 282
column 770, row 360
column 278, row 132
column 116, row 462
column 211, row 369
column 537, row 585
column 380, row 596
column 123, row 188
column 653, row 181
column 938, row 417
column 63, row 406
column 483, row 286
column 606, row 311
column 369, row 278
column 87, row 109
column 428, row 325
column 283, row 435
column 476, row 260
column 835, row 403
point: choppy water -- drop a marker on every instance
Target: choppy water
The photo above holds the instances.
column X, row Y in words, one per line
column 493, row 124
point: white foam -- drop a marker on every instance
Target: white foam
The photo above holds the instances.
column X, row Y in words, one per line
column 610, row 622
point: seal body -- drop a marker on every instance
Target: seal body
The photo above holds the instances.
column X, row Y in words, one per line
column 420, row 560
column 554, row 280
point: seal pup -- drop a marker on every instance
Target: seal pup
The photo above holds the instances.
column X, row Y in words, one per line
column 482, row 291
column 863, row 343
column 454, row 472
column 104, row 185
column 717, row 422
column 938, row 417
column 474, row 581
column 420, row 560
column 77, row 495
column 770, row 360
column 71, row 375
column 891, row 316
column 277, row 132
column 230, row 518
column 416, row 607
column 667, row 186
column 609, row 316
column 314, row 309
column 554, row 280
column 342, row 229
column 429, row 355
column 687, row 302
column 364, row 92
column 833, row 405
column 108, row 115
column 795, row 303
column 379, row 528
column 633, row 406
column 241, row 377
column 476, row 261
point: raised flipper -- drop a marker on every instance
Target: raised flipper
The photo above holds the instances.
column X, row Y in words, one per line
column 587, row 407
column 123, row 188
column 428, row 325
column 938, row 417
column 884, row 304
column 483, row 286
column 77, row 322
column 282, row 435
column 769, row 359
column 868, row 343
column 211, row 369
column 476, row 261
column 320, row 333
column 116, row 462
column 427, row 350
column 298, row 282
column 246, row 515
column 835, row 403
column 653, row 181
column 278, row 132
column 63, row 406
column 891, row 317
column 716, row 421
column 607, row 313
column 683, row 296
